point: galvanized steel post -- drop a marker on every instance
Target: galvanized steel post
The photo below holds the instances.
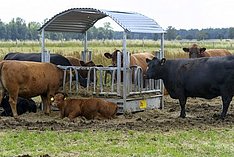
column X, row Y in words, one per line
column 125, row 62
column 161, row 82
column 118, row 73
column 84, row 53
column 43, row 45
column 162, row 46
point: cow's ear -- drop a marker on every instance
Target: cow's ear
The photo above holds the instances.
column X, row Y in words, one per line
column 82, row 63
column 186, row 49
column 147, row 60
column 163, row 60
column 202, row 50
column 108, row 55
column 90, row 63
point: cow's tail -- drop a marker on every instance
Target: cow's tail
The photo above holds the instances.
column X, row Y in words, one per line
column 2, row 88
column 1, row 65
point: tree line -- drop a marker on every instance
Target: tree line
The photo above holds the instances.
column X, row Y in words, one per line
column 18, row 29
column 203, row 34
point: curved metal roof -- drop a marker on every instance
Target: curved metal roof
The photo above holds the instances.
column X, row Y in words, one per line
column 79, row 20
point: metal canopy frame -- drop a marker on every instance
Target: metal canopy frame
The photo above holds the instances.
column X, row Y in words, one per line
column 79, row 20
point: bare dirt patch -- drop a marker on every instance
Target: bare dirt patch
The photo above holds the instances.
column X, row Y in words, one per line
column 201, row 113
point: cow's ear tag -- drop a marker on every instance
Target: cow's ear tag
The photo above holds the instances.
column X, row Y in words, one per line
column 52, row 98
column 163, row 61
column 65, row 98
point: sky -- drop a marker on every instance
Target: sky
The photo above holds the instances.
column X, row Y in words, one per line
column 180, row 14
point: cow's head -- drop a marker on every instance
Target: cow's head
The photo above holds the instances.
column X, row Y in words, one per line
column 195, row 51
column 113, row 57
column 155, row 68
column 58, row 99
column 84, row 73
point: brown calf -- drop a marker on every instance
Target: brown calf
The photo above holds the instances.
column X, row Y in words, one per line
column 92, row 108
column 29, row 79
column 196, row 52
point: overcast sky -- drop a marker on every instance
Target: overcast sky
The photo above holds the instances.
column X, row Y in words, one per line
column 181, row 14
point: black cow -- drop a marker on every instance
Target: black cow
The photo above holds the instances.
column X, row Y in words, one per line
column 205, row 78
column 56, row 59
column 23, row 106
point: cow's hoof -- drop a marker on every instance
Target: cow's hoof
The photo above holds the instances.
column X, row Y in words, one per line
column 17, row 118
column 47, row 113
column 182, row 116
column 222, row 117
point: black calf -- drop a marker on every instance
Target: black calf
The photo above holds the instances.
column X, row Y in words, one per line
column 23, row 105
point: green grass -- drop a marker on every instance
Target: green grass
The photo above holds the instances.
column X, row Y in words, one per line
column 118, row 143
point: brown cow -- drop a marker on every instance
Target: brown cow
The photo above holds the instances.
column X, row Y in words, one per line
column 92, row 108
column 138, row 59
column 29, row 79
column 196, row 52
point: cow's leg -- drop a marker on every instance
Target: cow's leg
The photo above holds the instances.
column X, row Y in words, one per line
column 99, row 116
column 71, row 116
column 46, row 104
column 1, row 96
column 226, row 102
column 62, row 113
column 2, row 92
column 13, row 103
column 182, row 101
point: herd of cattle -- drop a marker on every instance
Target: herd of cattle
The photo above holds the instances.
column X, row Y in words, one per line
column 206, row 74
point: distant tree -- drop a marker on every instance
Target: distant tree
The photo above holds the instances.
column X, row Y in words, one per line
column 189, row 37
column 56, row 36
column 202, row 35
column 21, row 28
column 231, row 33
column 178, row 37
column 17, row 29
column 220, row 36
column 155, row 36
column 108, row 30
column 92, row 33
column 3, row 31
column 32, row 30
column 101, row 33
column 171, row 33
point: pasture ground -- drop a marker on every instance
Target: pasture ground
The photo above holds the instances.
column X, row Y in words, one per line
column 202, row 115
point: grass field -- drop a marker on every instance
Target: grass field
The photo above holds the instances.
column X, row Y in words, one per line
column 173, row 49
column 109, row 142
column 213, row 143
